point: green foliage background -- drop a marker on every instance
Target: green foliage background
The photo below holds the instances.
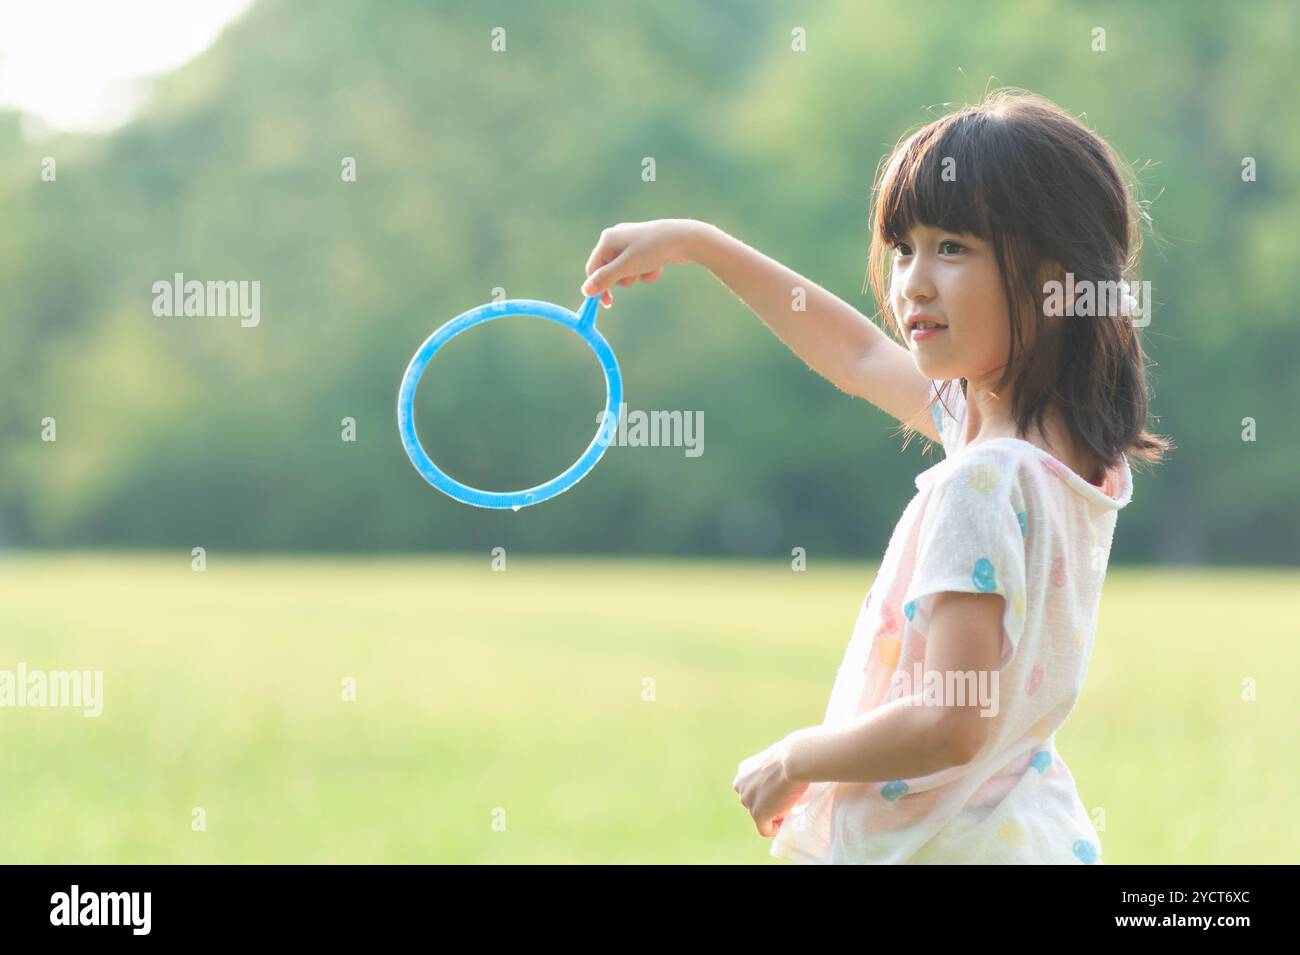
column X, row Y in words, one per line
column 479, row 170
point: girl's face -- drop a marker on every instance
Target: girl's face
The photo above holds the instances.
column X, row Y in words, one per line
column 952, row 278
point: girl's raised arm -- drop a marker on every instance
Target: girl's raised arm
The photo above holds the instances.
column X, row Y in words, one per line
column 830, row 335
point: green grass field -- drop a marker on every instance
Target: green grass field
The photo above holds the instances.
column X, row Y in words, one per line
column 486, row 697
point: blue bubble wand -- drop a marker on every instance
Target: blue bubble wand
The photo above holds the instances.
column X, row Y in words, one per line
column 584, row 324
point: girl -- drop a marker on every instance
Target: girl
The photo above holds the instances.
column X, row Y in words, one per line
column 970, row 650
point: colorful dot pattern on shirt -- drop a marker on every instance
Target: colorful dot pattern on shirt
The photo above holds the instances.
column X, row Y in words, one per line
column 1058, row 576
column 1035, row 679
column 931, row 554
column 1041, row 730
column 1012, row 833
column 984, row 478
column 889, row 649
column 984, row 577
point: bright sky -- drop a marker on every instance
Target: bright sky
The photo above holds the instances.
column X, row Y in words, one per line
column 80, row 64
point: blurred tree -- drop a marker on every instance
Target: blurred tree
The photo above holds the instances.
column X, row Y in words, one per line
column 477, row 170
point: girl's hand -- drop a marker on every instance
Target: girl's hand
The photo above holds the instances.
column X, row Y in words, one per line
column 632, row 251
column 765, row 789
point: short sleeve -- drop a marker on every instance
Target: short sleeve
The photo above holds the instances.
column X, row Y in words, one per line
column 972, row 540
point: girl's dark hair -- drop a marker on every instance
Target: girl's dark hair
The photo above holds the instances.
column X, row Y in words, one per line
column 1042, row 188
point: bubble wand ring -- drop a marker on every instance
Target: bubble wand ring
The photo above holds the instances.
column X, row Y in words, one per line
column 584, row 324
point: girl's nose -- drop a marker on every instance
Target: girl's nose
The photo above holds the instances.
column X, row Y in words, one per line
column 917, row 286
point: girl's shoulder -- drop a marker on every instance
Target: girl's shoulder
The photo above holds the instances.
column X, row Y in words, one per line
column 992, row 468
column 1020, row 463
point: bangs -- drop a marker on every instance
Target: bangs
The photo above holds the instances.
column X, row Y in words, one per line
column 919, row 185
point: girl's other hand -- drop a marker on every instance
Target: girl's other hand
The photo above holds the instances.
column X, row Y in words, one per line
column 638, row 251
column 765, row 789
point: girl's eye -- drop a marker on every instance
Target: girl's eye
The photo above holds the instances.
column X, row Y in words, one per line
column 901, row 247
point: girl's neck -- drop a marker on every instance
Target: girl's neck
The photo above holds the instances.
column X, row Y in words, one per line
column 988, row 415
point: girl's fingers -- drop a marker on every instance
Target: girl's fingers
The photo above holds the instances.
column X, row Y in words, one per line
column 601, row 258
column 614, row 265
column 600, row 255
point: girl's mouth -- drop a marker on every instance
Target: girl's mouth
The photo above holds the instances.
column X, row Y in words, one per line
column 921, row 333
